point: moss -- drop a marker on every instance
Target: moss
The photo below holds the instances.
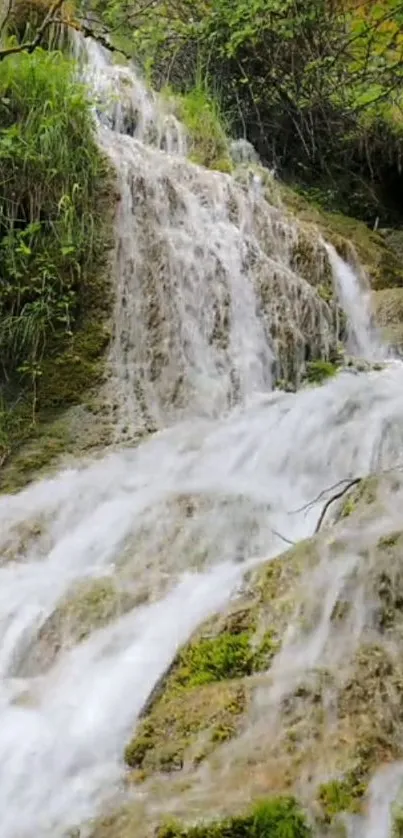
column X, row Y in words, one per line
column 214, row 659
column 177, row 726
column 338, row 796
column 309, row 259
column 364, row 494
column 318, row 371
column 274, row 817
column 370, row 710
column 389, row 540
column 91, row 606
column 88, row 606
column 266, row 651
column 378, row 259
column 348, row 507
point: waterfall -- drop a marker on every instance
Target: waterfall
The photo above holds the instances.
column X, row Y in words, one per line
column 355, row 300
column 211, row 306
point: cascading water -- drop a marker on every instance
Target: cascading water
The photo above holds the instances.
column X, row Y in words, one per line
column 355, row 300
column 209, row 304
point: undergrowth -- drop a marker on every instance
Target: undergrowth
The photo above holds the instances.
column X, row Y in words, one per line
column 54, row 190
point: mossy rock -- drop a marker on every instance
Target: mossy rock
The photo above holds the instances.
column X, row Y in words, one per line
column 200, row 702
column 186, row 727
column 388, row 309
column 270, row 817
column 88, row 606
column 377, row 257
column 279, row 817
column 71, row 375
column 360, row 497
column 213, row 745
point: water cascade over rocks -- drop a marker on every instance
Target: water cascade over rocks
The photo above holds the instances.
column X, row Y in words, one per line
column 107, row 568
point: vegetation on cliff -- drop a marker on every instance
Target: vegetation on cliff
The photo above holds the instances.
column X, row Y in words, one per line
column 316, row 719
column 54, row 233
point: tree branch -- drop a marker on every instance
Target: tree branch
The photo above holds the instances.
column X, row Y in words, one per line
column 97, row 36
column 86, row 30
column 337, row 496
column 30, row 46
column 6, row 17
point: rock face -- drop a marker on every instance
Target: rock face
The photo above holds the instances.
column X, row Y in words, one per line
column 388, row 306
column 296, row 689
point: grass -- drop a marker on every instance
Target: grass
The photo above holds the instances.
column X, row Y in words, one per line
column 200, row 111
column 56, row 191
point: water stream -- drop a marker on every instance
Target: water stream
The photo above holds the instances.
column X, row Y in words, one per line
column 208, row 307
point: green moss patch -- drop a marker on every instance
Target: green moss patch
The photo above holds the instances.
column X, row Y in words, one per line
column 339, row 796
column 361, row 496
column 318, row 371
column 214, row 659
column 186, row 727
column 278, row 817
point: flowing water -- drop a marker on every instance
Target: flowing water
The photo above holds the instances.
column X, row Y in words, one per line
column 209, row 307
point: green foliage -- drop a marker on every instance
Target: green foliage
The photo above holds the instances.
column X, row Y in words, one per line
column 215, row 658
column 316, row 86
column 318, row 371
column 340, row 796
column 200, row 111
column 278, row 817
column 53, row 196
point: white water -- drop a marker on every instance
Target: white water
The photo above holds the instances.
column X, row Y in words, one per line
column 176, row 521
column 355, row 298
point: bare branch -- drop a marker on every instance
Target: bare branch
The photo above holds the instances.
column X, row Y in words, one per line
column 283, row 538
column 337, row 496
